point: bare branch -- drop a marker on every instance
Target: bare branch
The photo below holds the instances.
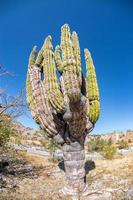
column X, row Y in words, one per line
column 3, row 72
column 14, row 106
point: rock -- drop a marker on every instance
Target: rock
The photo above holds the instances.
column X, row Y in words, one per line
column 129, row 194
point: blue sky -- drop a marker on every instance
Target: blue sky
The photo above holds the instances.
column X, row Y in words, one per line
column 104, row 27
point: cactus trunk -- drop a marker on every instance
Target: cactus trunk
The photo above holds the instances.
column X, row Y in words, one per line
column 74, row 162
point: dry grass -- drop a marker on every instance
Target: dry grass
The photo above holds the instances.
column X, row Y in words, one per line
column 113, row 177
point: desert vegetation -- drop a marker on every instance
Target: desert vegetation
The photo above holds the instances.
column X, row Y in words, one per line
column 105, row 147
column 22, row 172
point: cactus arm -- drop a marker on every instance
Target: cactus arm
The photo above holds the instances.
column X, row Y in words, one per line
column 92, row 88
column 48, row 121
column 39, row 58
column 32, row 57
column 69, row 65
column 58, row 59
column 51, row 85
column 66, row 43
column 30, row 98
column 76, row 50
column 43, row 111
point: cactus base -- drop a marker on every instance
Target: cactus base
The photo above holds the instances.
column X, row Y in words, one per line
column 74, row 162
column 74, row 195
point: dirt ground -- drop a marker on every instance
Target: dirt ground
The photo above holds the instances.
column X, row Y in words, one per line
column 107, row 180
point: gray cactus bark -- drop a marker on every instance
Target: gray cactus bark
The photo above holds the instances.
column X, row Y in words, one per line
column 74, row 162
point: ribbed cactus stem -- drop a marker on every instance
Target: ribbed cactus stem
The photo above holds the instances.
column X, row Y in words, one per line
column 58, row 58
column 39, row 58
column 92, row 88
column 77, row 56
column 32, row 56
column 51, row 82
column 66, row 43
column 69, row 65
column 43, row 109
column 30, row 98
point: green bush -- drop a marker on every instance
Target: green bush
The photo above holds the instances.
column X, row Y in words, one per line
column 109, row 151
column 5, row 132
column 96, row 144
column 49, row 143
column 105, row 147
column 122, row 144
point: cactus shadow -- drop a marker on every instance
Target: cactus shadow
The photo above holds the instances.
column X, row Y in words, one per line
column 61, row 165
column 89, row 165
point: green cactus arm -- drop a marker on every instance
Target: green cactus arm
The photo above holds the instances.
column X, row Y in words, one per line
column 58, row 59
column 32, row 57
column 36, row 95
column 39, row 58
column 77, row 56
column 29, row 95
column 66, row 43
column 94, row 111
column 51, row 84
column 70, row 76
column 43, row 109
column 92, row 91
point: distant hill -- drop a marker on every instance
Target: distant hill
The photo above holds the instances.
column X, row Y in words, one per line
column 117, row 136
column 30, row 133
column 22, row 130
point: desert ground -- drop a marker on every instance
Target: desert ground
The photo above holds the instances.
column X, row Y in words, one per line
column 40, row 178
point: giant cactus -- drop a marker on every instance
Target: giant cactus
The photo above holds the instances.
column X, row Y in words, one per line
column 66, row 107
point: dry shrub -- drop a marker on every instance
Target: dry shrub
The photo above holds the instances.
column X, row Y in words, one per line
column 109, row 151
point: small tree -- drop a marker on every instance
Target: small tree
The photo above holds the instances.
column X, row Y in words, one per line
column 11, row 105
column 5, row 132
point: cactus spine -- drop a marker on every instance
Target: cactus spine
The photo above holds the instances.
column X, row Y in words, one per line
column 66, row 109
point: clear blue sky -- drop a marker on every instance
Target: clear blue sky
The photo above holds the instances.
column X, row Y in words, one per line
column 105, row 27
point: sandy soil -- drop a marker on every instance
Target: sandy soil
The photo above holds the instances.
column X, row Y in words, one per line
column 107, row 180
